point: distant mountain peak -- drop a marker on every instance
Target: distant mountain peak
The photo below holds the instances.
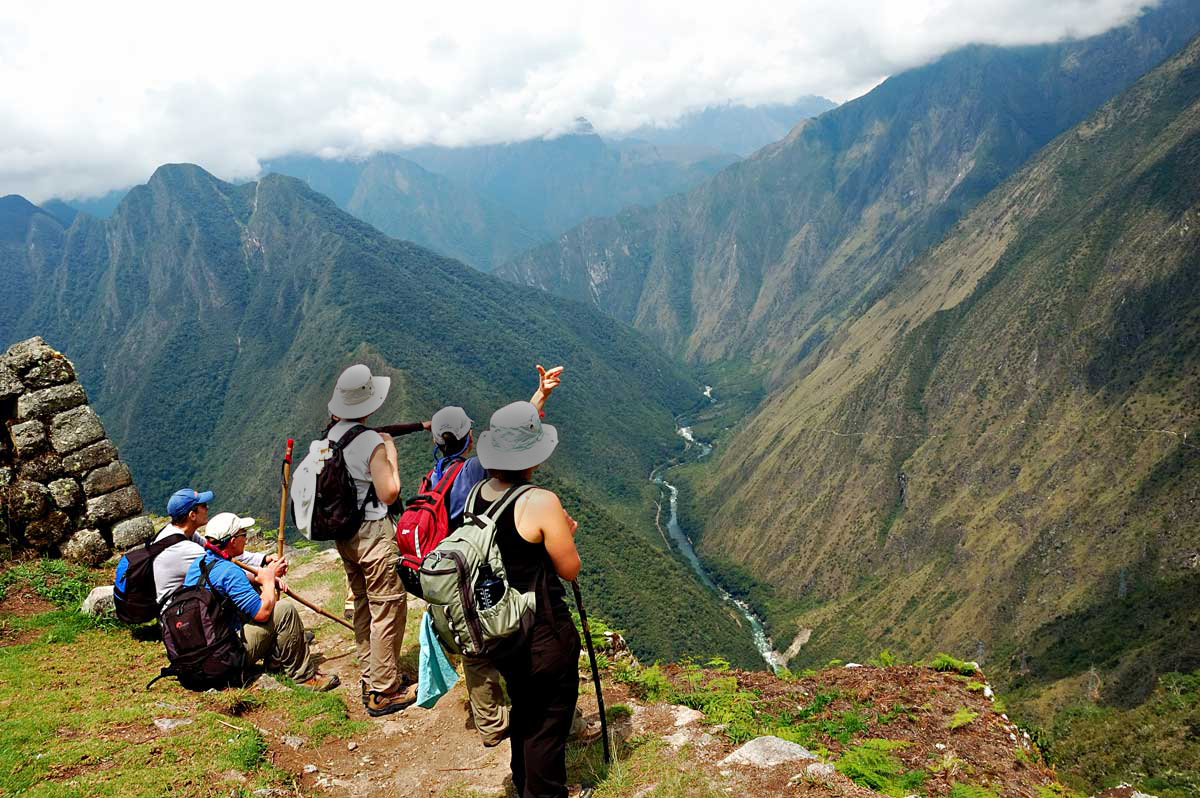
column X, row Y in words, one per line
column 581, row 127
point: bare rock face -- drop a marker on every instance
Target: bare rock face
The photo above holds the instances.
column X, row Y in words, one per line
column 62, row 486
column 75, row 429
column 49, row 529
column 48, row 401
column 114, row 506
column 89, row 457
column 87, row 547
column 132, row 532
column 29, row 438
column 106, row 479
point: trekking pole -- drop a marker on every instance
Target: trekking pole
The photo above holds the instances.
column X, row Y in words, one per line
column 303, row 601
column 287, row 468
column 587, row 635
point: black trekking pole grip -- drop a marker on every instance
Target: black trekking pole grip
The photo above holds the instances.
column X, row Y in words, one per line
column 587, row 635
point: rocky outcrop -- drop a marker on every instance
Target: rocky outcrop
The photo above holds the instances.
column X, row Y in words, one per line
column 62, row 488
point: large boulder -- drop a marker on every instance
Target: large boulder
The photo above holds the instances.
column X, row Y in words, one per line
column 765, row 752
column 49, row 530
column 28, row 437
column 132, row 532
column 87, row 547
column 25, row 500
column 99, row 601
column 89, row 457
column 48, row 401
column 115, row 506
column 106, row 479
column 10, row 386
column 23, row 355
column 42, row 468
column 54, row 371
column 66, row 493
column 75, row 429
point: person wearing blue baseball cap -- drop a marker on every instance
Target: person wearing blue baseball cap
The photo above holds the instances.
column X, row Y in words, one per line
column 188, row 510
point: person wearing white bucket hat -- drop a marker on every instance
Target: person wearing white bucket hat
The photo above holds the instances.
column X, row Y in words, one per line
column 536, row 539
column 452, row 436
column 369, row 555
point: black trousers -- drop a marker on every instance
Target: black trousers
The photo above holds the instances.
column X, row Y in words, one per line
column 543, row 684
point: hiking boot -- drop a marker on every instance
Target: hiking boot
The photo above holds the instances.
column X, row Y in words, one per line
column 405, row 682
column 321, row 682
column 386, row 703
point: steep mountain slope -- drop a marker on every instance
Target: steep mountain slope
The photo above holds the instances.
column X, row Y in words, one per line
column 768, row 256
column 1000, row 455
column 736, row 129
column 405, row 201
column 209, row 321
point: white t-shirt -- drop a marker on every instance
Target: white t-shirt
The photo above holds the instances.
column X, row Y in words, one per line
column 357, row 457
column 171, row 566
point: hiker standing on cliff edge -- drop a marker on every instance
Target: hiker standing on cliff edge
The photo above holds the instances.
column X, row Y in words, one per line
column 451, row 429
column 370, row 554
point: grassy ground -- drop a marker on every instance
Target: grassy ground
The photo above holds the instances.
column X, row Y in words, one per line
column 76, row 719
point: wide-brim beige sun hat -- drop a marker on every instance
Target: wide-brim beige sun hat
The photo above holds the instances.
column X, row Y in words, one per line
column 516, row 439
column 358, row 393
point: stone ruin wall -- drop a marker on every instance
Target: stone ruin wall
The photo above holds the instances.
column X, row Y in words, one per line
column 63, row 491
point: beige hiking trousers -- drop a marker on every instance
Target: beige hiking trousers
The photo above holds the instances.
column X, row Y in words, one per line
column 489, row 708
column 379, row 602
column 278, row 643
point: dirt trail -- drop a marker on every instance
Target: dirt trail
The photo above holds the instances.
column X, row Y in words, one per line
column 417, row 752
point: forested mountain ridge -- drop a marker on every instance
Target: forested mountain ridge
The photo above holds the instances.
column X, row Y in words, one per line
column 768, row 256
column 209, row 321
column 999, row 456
column 398, row 197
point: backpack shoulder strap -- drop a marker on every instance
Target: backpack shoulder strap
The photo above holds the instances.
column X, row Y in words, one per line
column 447, row 482
column 157, row 547
column 349, row 435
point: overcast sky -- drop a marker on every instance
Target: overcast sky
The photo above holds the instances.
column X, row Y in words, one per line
column 94, row 96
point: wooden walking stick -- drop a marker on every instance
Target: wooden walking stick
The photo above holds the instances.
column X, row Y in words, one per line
column 587, row 635
column 303, row 601
column 287, row 470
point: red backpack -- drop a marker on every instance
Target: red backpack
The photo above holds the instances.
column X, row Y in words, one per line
column 424, row 523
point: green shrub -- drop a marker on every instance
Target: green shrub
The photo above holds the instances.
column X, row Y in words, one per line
column 871, row 765
column 971, row 791
column 946, row 663
column 961, row 718
column 886, row 659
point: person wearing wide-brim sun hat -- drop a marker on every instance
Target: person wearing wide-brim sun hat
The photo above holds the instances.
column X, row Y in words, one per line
column 369, row 556
column 536, row 538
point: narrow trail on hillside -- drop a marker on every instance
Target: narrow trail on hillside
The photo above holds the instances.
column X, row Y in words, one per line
column 695, row 450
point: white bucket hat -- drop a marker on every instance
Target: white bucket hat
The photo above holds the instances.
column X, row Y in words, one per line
column 516, row 439
column 224, row 526
column 358, row 394
column 452, row 419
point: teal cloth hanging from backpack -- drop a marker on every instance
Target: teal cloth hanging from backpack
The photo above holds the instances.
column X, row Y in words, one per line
column 436, row 673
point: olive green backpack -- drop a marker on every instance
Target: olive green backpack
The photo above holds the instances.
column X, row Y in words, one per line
column 475, row 610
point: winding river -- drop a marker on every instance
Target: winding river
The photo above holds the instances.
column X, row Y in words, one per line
column 678, row 539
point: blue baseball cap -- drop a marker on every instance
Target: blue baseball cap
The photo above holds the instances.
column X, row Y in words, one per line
column 182, row 501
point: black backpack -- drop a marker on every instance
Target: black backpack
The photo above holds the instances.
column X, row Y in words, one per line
column 133, row 587
column 202, row 648
column 336, row 512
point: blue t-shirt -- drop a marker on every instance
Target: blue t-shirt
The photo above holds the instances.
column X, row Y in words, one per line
column 471, row 475
column 228, row 580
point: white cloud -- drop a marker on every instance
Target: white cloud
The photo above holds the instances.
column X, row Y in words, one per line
column 94, row 96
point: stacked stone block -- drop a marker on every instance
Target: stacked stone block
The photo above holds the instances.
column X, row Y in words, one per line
column 63, row 490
